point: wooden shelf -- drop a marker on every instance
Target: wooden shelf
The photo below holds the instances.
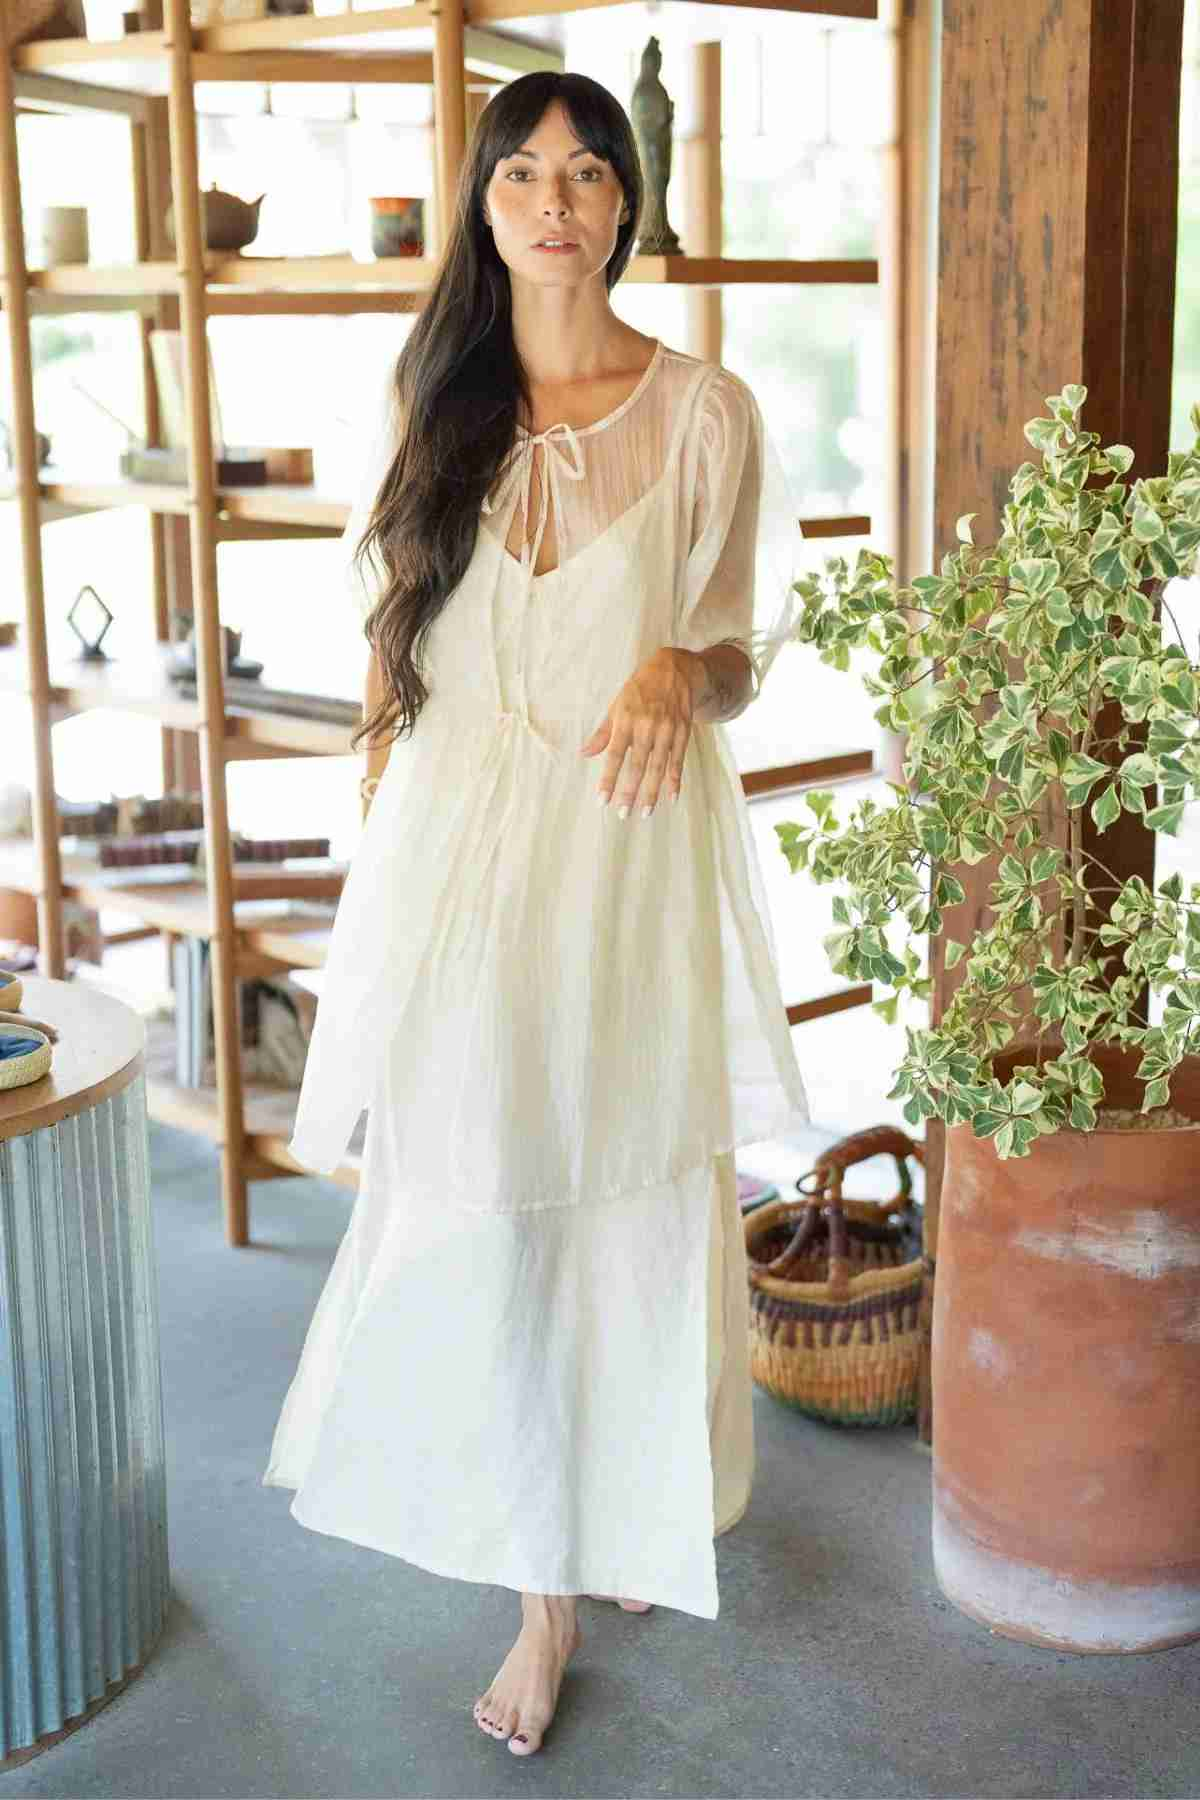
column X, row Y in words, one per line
column 248, row 274
column 172, row 901
column 309, row 278
column 95, row 495
column 393, row 45
column 251, row 734
column 750, row 271
column 132, row 683
column 281, row 510
column 139, row 683
column 291, row 507
column 367, row 45
column 282, row 503
column 294, row 943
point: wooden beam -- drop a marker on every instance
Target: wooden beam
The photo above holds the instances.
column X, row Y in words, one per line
column 53, row 94
column 210, row 656
column 701, row 225
column 1057, row 228
column 1129, row 325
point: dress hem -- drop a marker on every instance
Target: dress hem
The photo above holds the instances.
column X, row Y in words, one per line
column 512, row 1568
column 607, row 1583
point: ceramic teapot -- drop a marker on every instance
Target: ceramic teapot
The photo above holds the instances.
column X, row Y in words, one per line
column 226, row 222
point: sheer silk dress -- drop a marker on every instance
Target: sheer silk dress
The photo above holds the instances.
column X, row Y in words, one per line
column 529, row 1362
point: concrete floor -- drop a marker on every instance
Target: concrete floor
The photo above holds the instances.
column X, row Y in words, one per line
column 298, row 1665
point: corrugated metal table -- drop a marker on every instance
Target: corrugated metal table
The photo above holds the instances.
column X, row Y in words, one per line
column 84, row 1581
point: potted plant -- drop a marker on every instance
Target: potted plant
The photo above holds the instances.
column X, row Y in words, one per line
column 1066, row 1322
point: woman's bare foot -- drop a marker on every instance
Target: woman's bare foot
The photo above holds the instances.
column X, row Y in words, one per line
column 625, row 1605
column 520, row 1703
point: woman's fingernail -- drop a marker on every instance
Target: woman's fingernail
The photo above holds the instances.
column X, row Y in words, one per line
column 675, row 793
column 601, row 797
column 646, row 811
column 623, row 812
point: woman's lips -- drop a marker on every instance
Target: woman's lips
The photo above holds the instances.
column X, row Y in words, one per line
column 555, row 249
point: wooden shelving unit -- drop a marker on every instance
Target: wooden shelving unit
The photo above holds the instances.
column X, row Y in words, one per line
column 150, row 79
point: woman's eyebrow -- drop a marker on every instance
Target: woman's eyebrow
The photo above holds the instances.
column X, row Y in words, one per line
column 570, row 158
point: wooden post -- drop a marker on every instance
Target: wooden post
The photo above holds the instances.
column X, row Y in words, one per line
column 181, row 749
column 703, row 230
column 907, row 289
column 144, row 202
column 170, row 574
column 14, row 285
column 449, row 112
column 1059, row 179
column 908, row 283
column 202, row 517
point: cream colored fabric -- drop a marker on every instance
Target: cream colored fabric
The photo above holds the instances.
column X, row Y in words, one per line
column 624, row 978
column 552, row 1402
column 530, row 1362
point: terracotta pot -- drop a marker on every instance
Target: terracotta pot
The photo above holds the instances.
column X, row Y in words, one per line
column 1066, row 1377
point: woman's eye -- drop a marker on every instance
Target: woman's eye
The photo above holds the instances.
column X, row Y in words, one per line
column 595, row 172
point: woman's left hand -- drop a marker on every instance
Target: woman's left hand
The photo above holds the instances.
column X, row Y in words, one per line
column 645, row 732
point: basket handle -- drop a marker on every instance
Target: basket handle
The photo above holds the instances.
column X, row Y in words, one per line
column 874, row 1140
column 799, row 1241
column 839, row 1270
column 826, row 1174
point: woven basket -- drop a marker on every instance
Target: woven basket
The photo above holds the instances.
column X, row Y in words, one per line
column 835, row 1292
column 11, row 991
column 17, row 1071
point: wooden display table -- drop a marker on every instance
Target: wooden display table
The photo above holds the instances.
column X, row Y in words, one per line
column 84, row 1582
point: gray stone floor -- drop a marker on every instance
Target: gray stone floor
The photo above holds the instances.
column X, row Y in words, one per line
column 295, row 1664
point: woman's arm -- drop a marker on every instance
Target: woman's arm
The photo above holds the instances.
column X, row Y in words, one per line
column 722, row 681
column 377, row 754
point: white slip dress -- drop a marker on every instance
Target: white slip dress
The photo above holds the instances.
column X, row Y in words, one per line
column 529, row 1365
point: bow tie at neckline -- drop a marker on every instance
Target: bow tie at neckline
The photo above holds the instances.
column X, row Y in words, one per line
column 543, row 437
column 567, row 457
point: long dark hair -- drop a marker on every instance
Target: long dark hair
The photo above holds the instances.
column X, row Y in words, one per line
column 458, row 383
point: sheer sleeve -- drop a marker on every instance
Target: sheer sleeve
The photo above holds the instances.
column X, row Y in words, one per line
column 746, row 536
column 365, row 579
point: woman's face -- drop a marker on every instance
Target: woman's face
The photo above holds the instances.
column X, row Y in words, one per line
column 552, row 187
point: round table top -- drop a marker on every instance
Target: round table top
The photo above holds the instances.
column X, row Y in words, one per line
column 99, row 1050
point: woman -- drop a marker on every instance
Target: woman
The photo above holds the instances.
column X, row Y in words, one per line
column 573, row 552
